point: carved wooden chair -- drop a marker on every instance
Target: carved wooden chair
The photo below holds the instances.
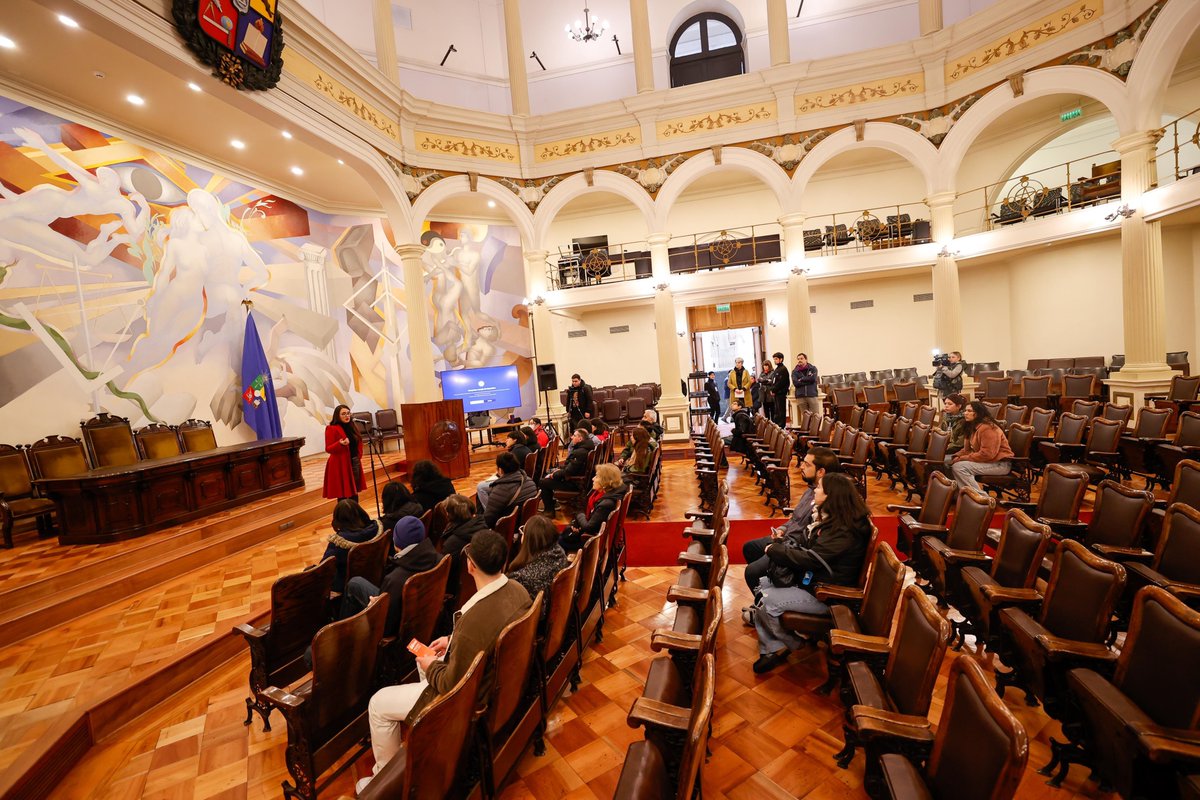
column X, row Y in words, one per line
column 1118, row 522
column 1077, row 387
column 905, row 392
column 157, row 441
column 893, row 675
column 1014, row 570
column 614, row 570
column 197, row 436
column 432, row 760
column 588, row 559
column 299, row 608
column 698, row 580
column 907, row 409
column 877, row 400
column 327, row 715
column 421, row 603
column 18, row 497
column 514, row 711
column 1138, row 448
column 1185, row 445
column 1182, row 396
column 931, row 515
column 1118, row 413
column 1139, row 726
column 1013, row 415
column 1089, row 409
column 1035, row 391
column 1067, row 444
column 1014, row 487
column 558, row 652
column 979, row 752
column 845, row 399
column 57, row 457
column 945, row 557
column 926, row 415
column 662, row 765
column 1100, row 454
column 672, row 678
column 1042, row 421
column 1058, row 504
column 857, row 464
column 919, row 468
column 109, row 441
column 1175, row 566
column 870, row 421
column 1070, row 631
column 886, row 448
column 997, row 389
column 365, row 560
column 918, row 438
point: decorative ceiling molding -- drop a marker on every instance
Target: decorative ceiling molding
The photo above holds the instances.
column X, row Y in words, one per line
column 868, row 92
column 1114, row 54
column 718, row 120
column 583, row 145
column 443, row 144
column 1066, row 19
column 315, row 77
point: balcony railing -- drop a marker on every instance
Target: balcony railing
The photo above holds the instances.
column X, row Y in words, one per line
column 1180, row 147
column 870, row 229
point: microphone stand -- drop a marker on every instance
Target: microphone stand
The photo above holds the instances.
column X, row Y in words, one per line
column 372, row 440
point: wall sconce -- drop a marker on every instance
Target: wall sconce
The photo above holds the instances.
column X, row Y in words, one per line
column 946, row 252
column 1123, row 211
column 800, row 270
column 773, row 323
column 681, row 334
column 662, row 287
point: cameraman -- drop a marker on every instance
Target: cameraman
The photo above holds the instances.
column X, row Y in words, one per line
column 947, row 373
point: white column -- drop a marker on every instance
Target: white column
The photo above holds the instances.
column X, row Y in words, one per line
column 542, row 323
column 385, row 40
column 518, row 84
column 799, row 303
column 947, row 299
column 672, row 406
column 777, row 32
column 314, row 257
column 643, row 63
column 931, row 16
column 1143, row 296
column 420, row 340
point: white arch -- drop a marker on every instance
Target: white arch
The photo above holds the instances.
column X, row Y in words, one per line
column 738, row 159
column 1094, row 83
column 904, row 142
column 576, row 186
column 461, row 184
column 1156, row 60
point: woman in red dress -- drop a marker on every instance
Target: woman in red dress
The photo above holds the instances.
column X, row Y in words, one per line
column 343, row 471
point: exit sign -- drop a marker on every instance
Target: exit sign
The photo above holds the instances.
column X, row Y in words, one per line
column 722, row 307
column 1074, row 113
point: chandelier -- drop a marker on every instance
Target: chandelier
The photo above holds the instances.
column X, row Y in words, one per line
column 589, row 30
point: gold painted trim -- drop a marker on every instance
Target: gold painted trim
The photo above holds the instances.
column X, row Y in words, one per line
column 468, row 148
column 1068, row 18
column 718, row 120
column 311, row 74
column 873, row 91
column 609, row 140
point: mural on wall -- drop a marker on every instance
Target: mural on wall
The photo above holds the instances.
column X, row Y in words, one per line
column 474, row 275
column 122, row 276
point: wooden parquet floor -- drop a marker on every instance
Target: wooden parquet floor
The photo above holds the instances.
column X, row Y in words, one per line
column 773, row 737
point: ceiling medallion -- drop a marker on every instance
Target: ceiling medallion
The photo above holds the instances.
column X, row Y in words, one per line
column 589, row 30
column 242, row 40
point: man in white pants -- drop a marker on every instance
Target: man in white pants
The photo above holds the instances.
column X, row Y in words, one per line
column 497, row 602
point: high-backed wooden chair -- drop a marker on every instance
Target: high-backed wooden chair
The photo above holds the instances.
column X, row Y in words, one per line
column 645, row 774
column 1118, row 522
column 672, row 678
column 1176, row 563
column 588, row 558
column 197, row 436
column 328, row 714
column 1185, row 445
column 432, row 759
column 1182, row 396
column 109, row 441
column 1041, row 420
column 1058, row 504
column 1016, row 485
column 1067, row 443
column 157, row 441
column 906, row 668
column 57, row 457
column 1139, row 725
column 558, row 651
column 1137, row 448
column 18, row 498
column 1077, row 387
column 944, row 558
column 1035, row 391
column 920, row 469
column 1100, row 455
column 931, row 515
column 1019, row 553
column 387, row 426
column 1013, row 415
column 299, row 607
column 979, row 752
column 421, row 604
column 367, row 560
column 918, row 438
column 1069, row 631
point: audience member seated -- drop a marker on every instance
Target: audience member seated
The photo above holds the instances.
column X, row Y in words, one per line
column 575, row 465
column 600, row 431
column 414, row 553
column 540, row 431
column 351, row 526
column 510, row 488
column 587, row 427
column 635, row 457
column 429, row 485
column 817, row 462
column 830, row 550
column 398, row 503
column 952, row 421
column 462, row 524
column 607, row 490
column 539, row 559
column 650, row 423
column 497, row 602
column 985, row 448
column 743, row 424
column 531, row 439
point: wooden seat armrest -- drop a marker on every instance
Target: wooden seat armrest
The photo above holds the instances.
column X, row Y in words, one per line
column 1028, row 508
column 1004, row 595
column 703, row 515
column 699, row 534
column 686, row 594
column 903, row 509
column 787, row 511
column 833, row 593
column 776, row 467
column 1187, row 592
column 1057, row 648
column 657, row 714
column 694, row 559
column 671, row 640
column 1150, row 397
column 842, row 642
column 883, row 439
column 1073, row 448
column 966, row 557
column 929, row 530
column 1167, row 744
column 1150, row 441
column 875, row 724
column 698, row 472
column 251, row 632
column 1114, row 553
column 1072, row 525
column 283, row 699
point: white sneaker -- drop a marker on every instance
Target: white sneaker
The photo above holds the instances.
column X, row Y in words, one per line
column 362, row 784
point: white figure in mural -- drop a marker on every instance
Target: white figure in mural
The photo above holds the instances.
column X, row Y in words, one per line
column 467, row 257
column 448, row 333
column 483, row 347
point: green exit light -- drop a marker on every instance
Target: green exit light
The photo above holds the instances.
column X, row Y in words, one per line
column 722, row 307
column 1074, row 113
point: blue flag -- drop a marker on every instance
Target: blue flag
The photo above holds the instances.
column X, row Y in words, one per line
column 259, row 408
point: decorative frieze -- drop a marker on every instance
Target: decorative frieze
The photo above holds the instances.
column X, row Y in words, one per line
column 587, row 145
column 790, row 149
column 718, row 120
column 1045, row 29
column 320, row 80
column 443, row 144
column 1115, row 53
column 935, row 123
column 867, row 92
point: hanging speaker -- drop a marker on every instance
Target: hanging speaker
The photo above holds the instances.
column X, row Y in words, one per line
column 547, row 378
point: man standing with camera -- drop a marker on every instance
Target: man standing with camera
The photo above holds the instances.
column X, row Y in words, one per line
column 947, row 373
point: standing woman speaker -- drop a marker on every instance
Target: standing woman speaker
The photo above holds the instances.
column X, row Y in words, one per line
column 343, row 471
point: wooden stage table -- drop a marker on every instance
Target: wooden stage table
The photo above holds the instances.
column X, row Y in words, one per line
column 114, row 503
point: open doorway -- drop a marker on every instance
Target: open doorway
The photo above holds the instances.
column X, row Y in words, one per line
column 724, row 332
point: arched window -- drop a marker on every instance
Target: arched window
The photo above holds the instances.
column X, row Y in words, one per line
column 706, row 47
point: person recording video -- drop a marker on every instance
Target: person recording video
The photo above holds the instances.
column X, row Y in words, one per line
column 947, row 373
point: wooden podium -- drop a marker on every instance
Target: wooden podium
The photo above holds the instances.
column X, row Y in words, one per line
column 437, row 431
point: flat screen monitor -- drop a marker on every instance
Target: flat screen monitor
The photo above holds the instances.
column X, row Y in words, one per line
column 482, row 389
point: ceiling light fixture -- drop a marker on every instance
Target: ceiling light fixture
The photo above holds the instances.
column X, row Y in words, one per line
column 341, row 162
column 7, row 43
column 287, row 134
column 297, row 171
column 589, row 30
column 65, row 20
column 491, row 203
column 137, row 100
column 195, row 87
column 237, row 144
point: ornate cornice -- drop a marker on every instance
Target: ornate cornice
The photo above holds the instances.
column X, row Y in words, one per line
column 718, row 120
column 330, row 87
column 1043, row 30
column 868, row 92
column 445, row 144
column 587, row 145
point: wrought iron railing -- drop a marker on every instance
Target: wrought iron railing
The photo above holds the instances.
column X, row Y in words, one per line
column 867, row 229
column 1180, row 147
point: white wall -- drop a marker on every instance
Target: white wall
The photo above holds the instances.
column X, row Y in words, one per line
column 1179, row 272
column 604, row 358
column 986, row 295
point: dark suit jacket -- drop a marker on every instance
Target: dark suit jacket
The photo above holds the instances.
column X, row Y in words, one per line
column 397, row 572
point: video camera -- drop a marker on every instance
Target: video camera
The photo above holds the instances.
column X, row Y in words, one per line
column 941, row 359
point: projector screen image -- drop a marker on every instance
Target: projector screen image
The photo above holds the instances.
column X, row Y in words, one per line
column 482, row 389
